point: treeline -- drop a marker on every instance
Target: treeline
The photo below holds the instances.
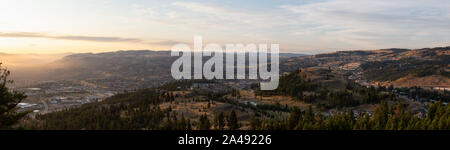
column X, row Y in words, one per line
column 424, row 95
column 140, row 110
column 355, row 96
column 386, row 117
column 297, row 85
column 137, row 110
column 221, row 121
column 132, row 111
column 127, row 111
column 391, row 70
column 292, row 84
column 183, row 84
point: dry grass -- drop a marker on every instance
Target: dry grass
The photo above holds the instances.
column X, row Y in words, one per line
column 427, row 81
column 282, row 100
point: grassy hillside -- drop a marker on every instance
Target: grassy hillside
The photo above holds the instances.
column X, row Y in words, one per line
column 391, row 70
column 165, row 109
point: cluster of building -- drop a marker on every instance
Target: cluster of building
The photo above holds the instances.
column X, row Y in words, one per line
column 54, row 96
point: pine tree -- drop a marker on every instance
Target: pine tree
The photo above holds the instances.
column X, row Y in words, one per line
column 8, row 101
column 183, row 124
column 294, row 118
column 255, row 123
column 204, row 123
column 219, row 121
column 233, row 123
column 309, row 114
column 189, row 125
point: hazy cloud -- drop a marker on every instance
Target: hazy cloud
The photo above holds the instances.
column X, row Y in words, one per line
column 323, row 24
column 87, row 38
column 296, row 25
column 165, row 42
column 372, row 24
column 212, row 17
column 68, row 37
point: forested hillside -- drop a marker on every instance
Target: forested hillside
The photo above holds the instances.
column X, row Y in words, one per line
column 147, row 110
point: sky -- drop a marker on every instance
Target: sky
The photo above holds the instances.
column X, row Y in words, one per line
column 299, row 26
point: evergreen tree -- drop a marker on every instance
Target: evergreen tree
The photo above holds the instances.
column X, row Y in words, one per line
column 219, row 121
column 8, row 101
column 183, row 123
column 255, row 123
column 233, row 123
column 294, row 118
column 204, row 123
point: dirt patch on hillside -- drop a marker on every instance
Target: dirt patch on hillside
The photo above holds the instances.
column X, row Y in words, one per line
column 427, row 81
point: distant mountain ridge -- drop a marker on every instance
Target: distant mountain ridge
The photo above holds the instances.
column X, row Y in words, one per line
column 143, row 64
column 148, row 65
column 135, row 64
column 402, row 67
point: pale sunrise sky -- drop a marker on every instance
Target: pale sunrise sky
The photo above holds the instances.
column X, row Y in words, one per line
column 302, row 26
